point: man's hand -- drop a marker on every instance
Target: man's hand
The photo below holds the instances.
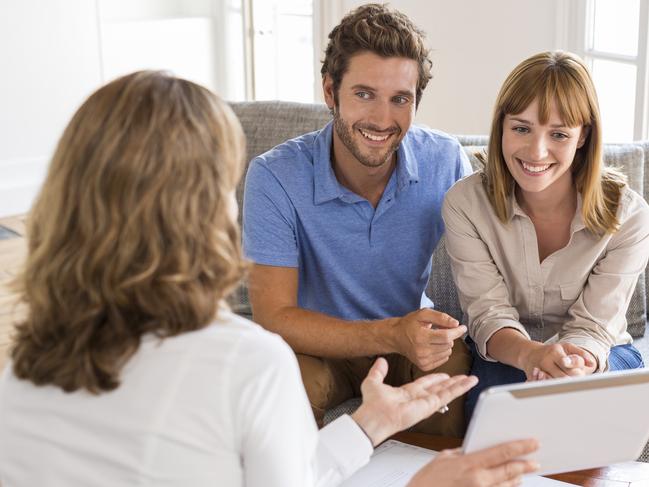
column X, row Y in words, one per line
column 546, row 361
column 386, row 410
column 496, row 466
column 273, row 294
column 426, row 337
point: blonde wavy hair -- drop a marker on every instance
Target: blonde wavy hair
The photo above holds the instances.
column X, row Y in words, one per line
column 561, row 78
column 133, row 232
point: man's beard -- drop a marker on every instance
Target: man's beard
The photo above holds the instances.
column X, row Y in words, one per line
column 345, row 133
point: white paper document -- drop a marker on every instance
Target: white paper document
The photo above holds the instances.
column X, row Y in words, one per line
column 394, row 463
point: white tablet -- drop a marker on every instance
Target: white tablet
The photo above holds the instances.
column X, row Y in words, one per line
column 580, row 423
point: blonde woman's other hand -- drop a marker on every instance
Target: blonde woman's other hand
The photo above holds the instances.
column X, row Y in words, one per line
column 496, row 466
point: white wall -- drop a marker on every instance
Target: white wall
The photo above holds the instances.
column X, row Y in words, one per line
column 54, row 53
column 50, row 56
column 50, row 63
column 475, row 44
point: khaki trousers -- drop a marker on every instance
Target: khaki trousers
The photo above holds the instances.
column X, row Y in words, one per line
column 330, row 382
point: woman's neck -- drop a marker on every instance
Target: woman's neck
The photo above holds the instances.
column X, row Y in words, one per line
column 558, row 199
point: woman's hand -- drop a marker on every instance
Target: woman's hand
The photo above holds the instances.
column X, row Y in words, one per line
column 496, row 466
column 386, row 410
column 546, row 361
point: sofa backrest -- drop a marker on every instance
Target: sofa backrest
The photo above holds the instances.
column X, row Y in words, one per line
column 267, row 124
column 644, row 144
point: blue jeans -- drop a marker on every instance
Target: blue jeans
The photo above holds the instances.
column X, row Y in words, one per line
column 622, row 357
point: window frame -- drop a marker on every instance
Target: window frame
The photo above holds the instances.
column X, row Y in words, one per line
column 326, row 14
column 577, row 34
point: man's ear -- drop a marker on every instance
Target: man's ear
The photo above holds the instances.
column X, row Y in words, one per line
column 328, row 91
column 585, row 130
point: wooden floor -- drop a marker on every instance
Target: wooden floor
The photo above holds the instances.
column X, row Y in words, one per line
column 12, row 256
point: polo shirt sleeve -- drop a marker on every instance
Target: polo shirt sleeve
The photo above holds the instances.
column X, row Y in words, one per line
column 269, row 219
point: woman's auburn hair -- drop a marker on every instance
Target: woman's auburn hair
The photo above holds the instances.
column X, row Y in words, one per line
column 133, row 232
column 561, row 79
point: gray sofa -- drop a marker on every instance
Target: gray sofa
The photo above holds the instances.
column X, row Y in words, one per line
column 267, row 124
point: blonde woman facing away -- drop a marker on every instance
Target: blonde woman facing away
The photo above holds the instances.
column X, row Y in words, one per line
column 129, row 369
column 546, row 243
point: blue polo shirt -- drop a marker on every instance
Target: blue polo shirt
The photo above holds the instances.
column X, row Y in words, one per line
column 354, row 261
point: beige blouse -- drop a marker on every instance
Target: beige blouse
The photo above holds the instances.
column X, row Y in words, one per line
column 578, row 294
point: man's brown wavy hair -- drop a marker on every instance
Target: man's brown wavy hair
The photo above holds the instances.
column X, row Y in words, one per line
column 375, row 28
column 133, row 232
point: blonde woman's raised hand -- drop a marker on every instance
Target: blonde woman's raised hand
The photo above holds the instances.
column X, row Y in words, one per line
column 386, row 410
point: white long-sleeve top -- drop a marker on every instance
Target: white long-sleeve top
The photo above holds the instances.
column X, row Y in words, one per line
column 222, row 406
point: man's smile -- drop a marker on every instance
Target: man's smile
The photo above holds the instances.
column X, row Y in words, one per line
column 374, row 137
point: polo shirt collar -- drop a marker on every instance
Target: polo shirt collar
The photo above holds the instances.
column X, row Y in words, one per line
column 407, row 168
column 326, row 185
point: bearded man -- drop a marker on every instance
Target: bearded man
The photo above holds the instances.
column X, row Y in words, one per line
column 341, row 223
